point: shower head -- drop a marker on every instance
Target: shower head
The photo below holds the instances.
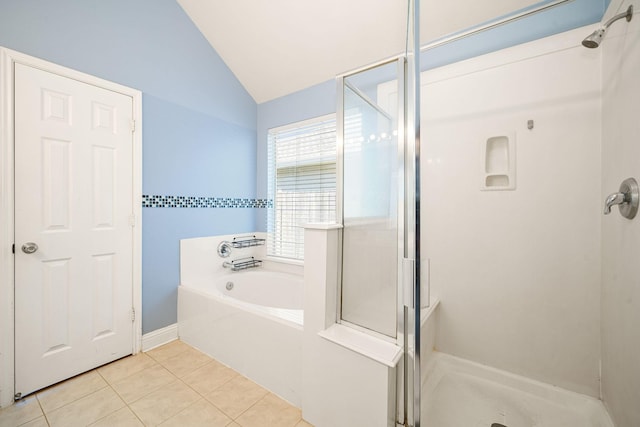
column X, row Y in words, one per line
column 594, row 39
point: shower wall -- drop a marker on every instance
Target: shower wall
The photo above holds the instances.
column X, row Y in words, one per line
column 517, row 271
column 620, row 236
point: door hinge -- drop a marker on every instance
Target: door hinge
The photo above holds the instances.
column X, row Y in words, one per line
column 132, row 220
column 133, row 314
column 13, row 248
column 133, row 125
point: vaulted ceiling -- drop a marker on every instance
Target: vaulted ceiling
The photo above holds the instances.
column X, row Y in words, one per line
column 276, row 47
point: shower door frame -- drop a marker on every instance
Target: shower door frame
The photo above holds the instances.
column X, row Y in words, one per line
column 407, row 286
column 341, row 84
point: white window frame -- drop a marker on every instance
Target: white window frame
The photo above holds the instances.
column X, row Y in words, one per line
column 299, row 163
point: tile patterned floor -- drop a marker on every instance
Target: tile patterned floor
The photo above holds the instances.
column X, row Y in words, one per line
column 173, row 385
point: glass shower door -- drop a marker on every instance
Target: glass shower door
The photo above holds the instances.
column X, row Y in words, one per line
column 371, row 204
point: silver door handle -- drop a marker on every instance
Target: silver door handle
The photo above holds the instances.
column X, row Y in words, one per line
column 29, row 248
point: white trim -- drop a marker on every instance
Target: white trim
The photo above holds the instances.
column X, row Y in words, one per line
column 322, row 226
column 159, row 337
column 381, row 351
column 283, row 260
column 6, row 230
column 7, row 59
column 302, row 123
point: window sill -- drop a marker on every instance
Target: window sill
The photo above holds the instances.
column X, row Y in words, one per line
column 285, row 260
column 322, row 226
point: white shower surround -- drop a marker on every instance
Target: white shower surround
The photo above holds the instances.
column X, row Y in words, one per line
column 255, row 327
column 518, row 272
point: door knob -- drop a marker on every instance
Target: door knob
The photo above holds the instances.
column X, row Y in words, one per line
column 626, row 198
column 29, row 248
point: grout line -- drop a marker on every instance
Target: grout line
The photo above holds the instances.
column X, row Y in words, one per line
column 184, row 409
column 44, row 414
column 254, row 404
column 127, row 376
column 75, row 400
column 113, row 412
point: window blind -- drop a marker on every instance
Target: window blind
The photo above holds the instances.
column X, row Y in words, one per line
column 301, row 183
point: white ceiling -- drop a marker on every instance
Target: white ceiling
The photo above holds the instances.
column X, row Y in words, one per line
column 276, row 47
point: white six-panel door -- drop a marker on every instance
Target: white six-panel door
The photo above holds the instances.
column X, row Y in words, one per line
column 74, row 200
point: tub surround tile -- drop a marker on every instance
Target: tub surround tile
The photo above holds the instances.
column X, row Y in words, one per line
column 121, row 418
column 142, row 383
column 20, row 412
column 209, row 377
column 164, row 403
column 167, row 351
column 69, row 391
column 86, row 410
column 271, row 411
column 125, row 367
column 201, row 414
column 236, row 396
column 186, row 362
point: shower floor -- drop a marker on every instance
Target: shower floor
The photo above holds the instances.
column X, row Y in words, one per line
column 460, row 393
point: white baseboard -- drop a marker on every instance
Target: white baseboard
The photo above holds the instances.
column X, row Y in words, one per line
column 159, row 337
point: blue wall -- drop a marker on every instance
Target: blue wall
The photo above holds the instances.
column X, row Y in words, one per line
column 198, row 121
column 321, row 99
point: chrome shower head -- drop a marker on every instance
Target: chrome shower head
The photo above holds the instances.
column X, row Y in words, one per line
column 594, row 39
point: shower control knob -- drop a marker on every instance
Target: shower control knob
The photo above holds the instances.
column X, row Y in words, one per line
column 627, row 199
column 29, row 248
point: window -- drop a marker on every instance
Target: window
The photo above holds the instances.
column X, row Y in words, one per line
column 301, row 183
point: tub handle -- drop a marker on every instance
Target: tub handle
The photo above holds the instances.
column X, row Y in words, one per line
column 224, row 249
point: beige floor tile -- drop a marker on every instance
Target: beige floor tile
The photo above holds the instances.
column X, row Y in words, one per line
column 38, row 422
column 209, row 377
column 70, row 390
column 236, row 396
column 142, row 383
column 86, row 410
column 167, row 351
column 186, row 362
column 200, row 414
column 126, row 366
column 20, row 412
column 303, row 423
column 270, row 412
column 121, row 418
column 164, row 403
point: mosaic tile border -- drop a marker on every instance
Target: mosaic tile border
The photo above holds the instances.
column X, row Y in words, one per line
column 154, row 201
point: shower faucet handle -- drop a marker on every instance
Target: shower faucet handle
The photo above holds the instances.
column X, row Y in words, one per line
column 613, row 199
column 626, row 198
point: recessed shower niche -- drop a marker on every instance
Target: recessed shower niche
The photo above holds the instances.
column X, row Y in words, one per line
column 498, row 163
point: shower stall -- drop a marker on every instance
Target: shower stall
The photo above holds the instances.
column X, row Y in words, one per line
column 471, row 199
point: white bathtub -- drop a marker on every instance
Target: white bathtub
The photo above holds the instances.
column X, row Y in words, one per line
column 255, row 327
column 270, row 293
